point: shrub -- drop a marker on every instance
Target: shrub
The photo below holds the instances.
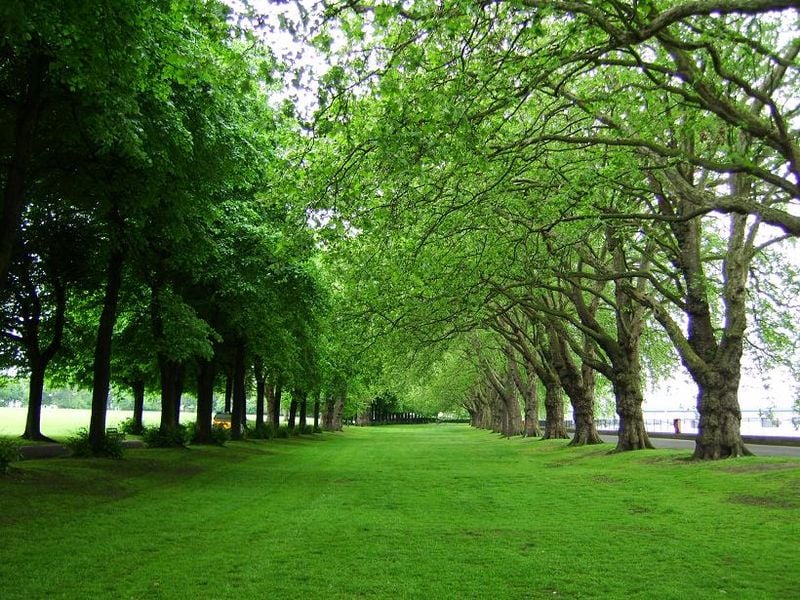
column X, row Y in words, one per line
column 111, row 447
column 128, row 426
column 156, row 437
column 282, row 432
column 267, row 432
column 219, row 434
column 317, row 429
column 9, row 453
column 304, row 429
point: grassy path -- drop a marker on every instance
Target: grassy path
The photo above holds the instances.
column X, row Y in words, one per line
column 400, row 512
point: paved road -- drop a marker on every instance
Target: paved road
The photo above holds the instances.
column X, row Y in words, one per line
column 688, row 445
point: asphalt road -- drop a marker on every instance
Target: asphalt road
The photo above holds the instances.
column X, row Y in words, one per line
column 688, row 445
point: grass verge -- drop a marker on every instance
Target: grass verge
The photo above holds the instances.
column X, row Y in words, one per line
column 438, row 511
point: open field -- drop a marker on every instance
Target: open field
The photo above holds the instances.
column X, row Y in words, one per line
column 60, row 423
column 438, row 511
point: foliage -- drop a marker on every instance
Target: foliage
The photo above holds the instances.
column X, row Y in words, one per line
column 9, row 453
column 80, row 447
column 160, row 437
column 127, row 425
column 219, row 434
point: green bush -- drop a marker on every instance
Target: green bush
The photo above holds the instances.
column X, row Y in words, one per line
column 9, row 453
column 127, row 426
column 219, row 434
column 111, row 447
column 156, row 437
column 317, row 429
column 265, row 433
column 282, row 432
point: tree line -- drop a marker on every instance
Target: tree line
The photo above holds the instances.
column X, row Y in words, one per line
column 493, row 201
column 565, row 195
column 154, row 231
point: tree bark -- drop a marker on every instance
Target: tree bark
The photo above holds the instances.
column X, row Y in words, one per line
column 261, row 386
column 293, row 410
column 138, row 407
column 719, row 431
column 554, row 427
column 101, row 370
column 579, row 385
column 316, row 411
column 228, row 392
column 39, row 359
column 206, row 376
column 303, row 411
column 27, row 114
column 277, row 395
column 171, row 389
column 632, row 434
column 239, row 405
column 33, row 420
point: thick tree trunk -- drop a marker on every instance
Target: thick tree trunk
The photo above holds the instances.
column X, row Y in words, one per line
column 628, row 393
column 583, row 410
column 303, row 411
column 33, row 421
column 579, row 385
column 228, row 392
column 719, row 432
column 261, row 387
column 206, row 376
column 137, row 387
column 327, row 415
column 532, row 428
column 239, row 405
column 270, row 408
column 276, row 402
column 293, row 411
column 171, row 388
column 585, row 430
column 101, row 371
column 554, row 427
column 18, row 163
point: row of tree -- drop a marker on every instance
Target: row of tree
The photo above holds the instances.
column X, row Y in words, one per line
column 567, row 194
column 154, row 233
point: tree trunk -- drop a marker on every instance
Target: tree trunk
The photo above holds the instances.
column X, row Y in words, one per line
column 238, row 407
column 327, row 416
column 276, row 402
column 18, row 162
column 33, row 421
column 554, row 427
column 101, row 370
column 292, row 410
column 719, row 431
column 579, row 385
column 138, row 407
column 260, row 393
column 628, row 394
column 171, row 387
column 228, row 392
column 206, row 376
column 316, row 411
column 261, row 386
column 303, row 411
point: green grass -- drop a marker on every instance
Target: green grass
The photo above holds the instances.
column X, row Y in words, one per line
column 60, row 423
column 439, row 511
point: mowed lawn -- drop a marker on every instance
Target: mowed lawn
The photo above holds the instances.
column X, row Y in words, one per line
column 438, row 511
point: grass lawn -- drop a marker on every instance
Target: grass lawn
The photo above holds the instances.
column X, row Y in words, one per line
column 438, row 511
column 60, row 423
